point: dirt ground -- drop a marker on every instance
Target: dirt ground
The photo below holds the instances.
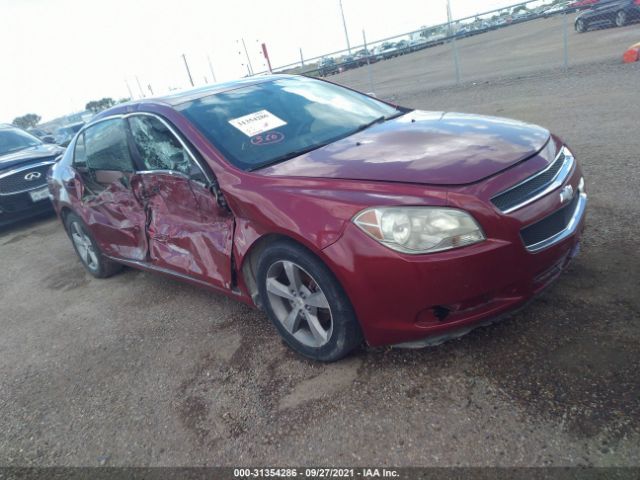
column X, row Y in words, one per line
column 142, row 370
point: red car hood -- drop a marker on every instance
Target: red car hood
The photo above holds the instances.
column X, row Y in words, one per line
column 422, row 147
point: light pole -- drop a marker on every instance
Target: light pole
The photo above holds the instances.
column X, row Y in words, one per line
column 211, row 68
column 249, row 66
column 344, row 24
column 452, row 34
column 129, row 88
column 186, row 65
column 140, row 88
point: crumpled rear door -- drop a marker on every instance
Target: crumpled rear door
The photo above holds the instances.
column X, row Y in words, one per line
column 115, row 216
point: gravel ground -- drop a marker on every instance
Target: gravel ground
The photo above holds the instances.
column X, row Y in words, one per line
column 142, row 370
column 522, row 49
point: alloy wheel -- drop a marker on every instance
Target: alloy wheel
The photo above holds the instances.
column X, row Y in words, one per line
column 299, row 303
column 621, row 19
column 84, row 246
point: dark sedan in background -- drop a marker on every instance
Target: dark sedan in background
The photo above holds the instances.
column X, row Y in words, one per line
column 24, row 161
column 609, row 13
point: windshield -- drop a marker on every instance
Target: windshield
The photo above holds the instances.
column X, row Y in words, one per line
column 262, row 124
column 12, row 140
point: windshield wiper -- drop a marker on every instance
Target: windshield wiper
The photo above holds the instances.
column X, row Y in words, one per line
column 371, row 123
column 289, row 156
column 380, row 119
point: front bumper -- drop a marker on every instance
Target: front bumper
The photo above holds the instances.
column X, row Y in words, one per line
column 426, row 299
column 17, row 207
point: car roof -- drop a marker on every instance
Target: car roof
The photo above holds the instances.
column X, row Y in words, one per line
column 199, row 92
column 188, row 95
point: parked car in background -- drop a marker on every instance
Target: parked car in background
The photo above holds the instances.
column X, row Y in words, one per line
column 24, row 162
column 418, row 44
column 582, row 4
column 347, row 63
column 460, row 31
column 402, row 47
column 327, row 66
column 66, row 133
column 46, row 137
column 555, row 10
column 364, row 56
column 387, row 50
column 609, row 13
column 437, row 38
column 344, row 217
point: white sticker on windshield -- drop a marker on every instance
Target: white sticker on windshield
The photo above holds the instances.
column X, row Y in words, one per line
column 257, row 123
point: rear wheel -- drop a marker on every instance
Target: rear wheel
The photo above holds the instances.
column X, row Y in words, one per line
column 306, row 303
column 87, row 249
column 581, row 26
column 621, row 18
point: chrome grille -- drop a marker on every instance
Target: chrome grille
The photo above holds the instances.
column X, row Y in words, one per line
column 536, row 186
column 551, row 225
column 14, row 181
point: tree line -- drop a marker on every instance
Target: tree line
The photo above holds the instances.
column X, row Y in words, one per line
column 30, row 120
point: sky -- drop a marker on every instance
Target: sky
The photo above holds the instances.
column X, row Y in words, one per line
column 57, row 55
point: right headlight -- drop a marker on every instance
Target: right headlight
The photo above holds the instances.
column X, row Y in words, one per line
column 419, row 229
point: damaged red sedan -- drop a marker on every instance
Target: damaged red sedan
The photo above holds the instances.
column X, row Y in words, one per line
column 347, row 219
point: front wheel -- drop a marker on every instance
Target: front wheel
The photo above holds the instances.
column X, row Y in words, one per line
column 621, row 18
column 306, row 303
column 581, row 27
column 87, row 249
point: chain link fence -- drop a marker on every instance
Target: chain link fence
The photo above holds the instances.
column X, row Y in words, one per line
column 520, row 39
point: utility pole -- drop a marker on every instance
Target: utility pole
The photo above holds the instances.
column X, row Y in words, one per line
column 129, row 89
column 364, row 38
column 186, row 65
column 213, row 75
column 301, row 58
column 344, row 24
column 249, row 66
column 565, row 41
column 140, row 87
column 456, row 60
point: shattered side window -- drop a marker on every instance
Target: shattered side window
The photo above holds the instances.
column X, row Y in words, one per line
column 159, row 149
column 106, row 147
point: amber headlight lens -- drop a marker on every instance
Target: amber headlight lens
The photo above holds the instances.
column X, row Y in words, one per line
column 420, row 229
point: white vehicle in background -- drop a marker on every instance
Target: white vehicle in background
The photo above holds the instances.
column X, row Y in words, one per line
column 418, row 44
column 388, row 50
column 556, row 9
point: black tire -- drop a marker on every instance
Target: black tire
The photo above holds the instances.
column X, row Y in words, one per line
column 622, row 18
column 345, row 335
column 103, row 267
column 581, row 26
